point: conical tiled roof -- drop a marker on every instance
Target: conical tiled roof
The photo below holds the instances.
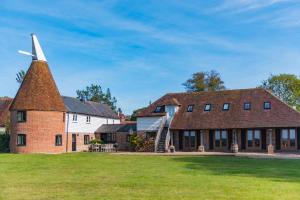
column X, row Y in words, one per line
column 38, row 90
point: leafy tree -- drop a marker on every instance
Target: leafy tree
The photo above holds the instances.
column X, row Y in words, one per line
column 204, row 81
column 95, row 93
column 286, row 87
column 20, row 76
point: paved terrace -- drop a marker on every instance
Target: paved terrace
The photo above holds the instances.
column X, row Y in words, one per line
column 241, row 154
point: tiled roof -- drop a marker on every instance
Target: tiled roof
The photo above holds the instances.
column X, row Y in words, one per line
column 4, row 110
column 38, row 90
column 115, row 128
column 74, row 105
column 280, row 114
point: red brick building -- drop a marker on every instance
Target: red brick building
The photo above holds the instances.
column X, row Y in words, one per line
column 232, row 120
column 42, row 121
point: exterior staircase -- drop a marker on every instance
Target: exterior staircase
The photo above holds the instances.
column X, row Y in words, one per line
column 161, row 146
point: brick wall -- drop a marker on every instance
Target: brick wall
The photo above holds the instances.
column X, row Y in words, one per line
column 40, row 129
column 80, row 146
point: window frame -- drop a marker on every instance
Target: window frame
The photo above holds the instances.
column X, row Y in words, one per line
column 190, row 108
column 23, row 115
column 270, row 105
column 23, row 141
column 74, row 118
column 288, row 139
column 56, row 140
column 88, row 119
column 161, row 109
column 223, row 108
column 86, row 139
column 247, row 103
column 255, row 142
column 220, row 142
column 207, row 110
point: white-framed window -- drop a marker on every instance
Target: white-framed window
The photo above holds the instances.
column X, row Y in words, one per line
column 74, row 119
column 88, row 119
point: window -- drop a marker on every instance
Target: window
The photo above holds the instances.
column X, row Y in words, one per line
column 288, row 137
column 58, row 140
column 247, row 106
column 253, row 138
column 226, row 106
column 217, row 138
column 86, row 139
column 267, row 105
column 88, row 119
column 207, row 107
column 192, row 138
column 64, row 117
column 190, row 108
column 159, row 109
column 224, row 138
column 221, row 138
column 250, row 137
column 21, row 116
column 21, row 140
column 292, row 137
column 111, row 137
column 74, row 117
column 257, row 138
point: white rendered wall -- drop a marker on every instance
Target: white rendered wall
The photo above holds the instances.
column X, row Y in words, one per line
column 81, row 126
column 148, row 123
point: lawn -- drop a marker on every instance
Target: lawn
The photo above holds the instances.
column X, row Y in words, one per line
column 104, row 176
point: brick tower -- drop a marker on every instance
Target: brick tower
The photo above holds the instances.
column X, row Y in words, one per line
column 37, row 112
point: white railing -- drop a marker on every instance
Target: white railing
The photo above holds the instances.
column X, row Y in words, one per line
column 168, row 136
column 160, row 129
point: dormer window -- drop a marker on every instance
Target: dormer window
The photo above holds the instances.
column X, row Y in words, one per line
column 247, row 106
column 190, row 108
column 159, row 109
column 267, row 105
column 207, row 107
column 226, row 106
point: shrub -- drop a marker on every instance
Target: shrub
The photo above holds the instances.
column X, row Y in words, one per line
column 96, row 141
column 4, row 143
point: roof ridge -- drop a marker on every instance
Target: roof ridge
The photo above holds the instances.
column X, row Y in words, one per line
column 229, row 90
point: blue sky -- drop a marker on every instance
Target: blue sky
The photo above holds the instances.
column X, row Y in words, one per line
column 143, row 49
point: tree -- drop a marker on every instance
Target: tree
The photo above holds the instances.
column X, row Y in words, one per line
column 94, row 93
column 204, row 81
column 20, row 76
column 286, row 87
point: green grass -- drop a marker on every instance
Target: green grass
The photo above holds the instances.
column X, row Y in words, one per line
column 104, row 176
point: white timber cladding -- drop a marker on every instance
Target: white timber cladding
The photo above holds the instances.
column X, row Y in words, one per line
column 85, row 124
column 148, row 123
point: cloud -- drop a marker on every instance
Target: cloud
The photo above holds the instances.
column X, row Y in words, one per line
column 239, row 6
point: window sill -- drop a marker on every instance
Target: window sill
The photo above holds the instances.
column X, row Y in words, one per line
column 74, row 121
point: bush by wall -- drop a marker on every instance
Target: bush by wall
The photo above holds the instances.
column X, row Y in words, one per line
column 4, row 143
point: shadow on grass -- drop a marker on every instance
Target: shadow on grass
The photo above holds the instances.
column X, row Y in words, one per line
column 275, row 169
